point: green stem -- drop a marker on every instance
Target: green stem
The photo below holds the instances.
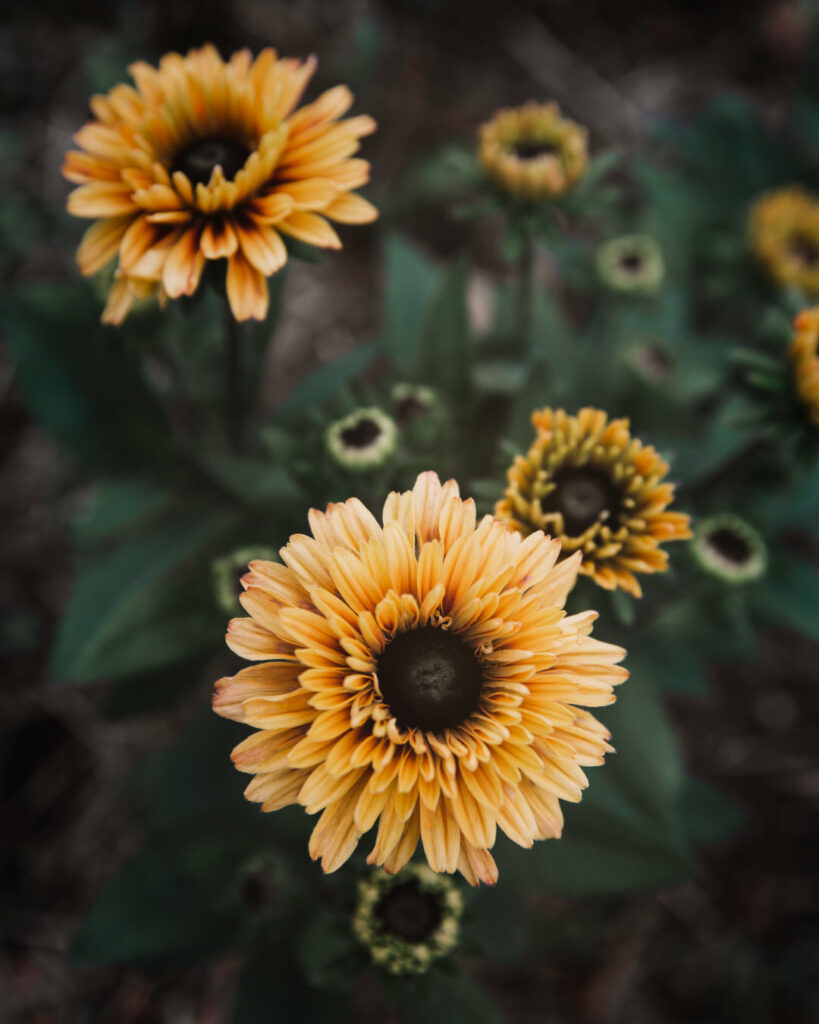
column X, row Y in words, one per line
column 233, row 397
column 526, row 290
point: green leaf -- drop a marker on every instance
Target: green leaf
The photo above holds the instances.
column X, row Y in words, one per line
column 438, row 995
column 117, row 505
column 709, row 815
column 256, row 481
column 324, row 383
column 80, row 383
column 444, row 351
column 132, row 608
column 327, row 951
column 790, row 594
column 411, row 279
column 172, row 901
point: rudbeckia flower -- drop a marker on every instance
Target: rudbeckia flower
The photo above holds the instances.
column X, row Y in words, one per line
column 363, row 440
column 784, row 234
column 729, row 548
column 408, row 921
column 418, row 673
column 532, row 152
column 204, row 159
column 586, row 481
column 804, row 357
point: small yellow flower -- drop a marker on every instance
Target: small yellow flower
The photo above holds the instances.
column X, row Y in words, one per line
column 409, row 920
column 784, row 235
column 586, row 481
column 532, row 152
column 206, row 159
column 804, row 357
column 421, row 674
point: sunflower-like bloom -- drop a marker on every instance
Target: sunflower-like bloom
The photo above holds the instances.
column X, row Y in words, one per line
column 421, row 674
column 588, row 482
column 784, row 235
column 804, row 357
column 532, row 152
column 631, row 264
column 210, row 160
column 408, row 921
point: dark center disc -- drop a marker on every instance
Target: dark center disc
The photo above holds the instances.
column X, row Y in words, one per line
column 429, row 679
column 804, row 250
column 631, row 262
column 199, row 159
column 729, row 545
column 581, row 494
column 530, row 150
column 408, row 913
column 360, row 434
column 409, row 409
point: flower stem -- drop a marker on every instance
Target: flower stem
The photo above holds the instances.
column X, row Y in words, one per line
column 526, row 290
column 233, row 398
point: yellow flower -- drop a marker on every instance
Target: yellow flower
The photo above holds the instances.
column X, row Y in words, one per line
column 421, row 674
column 210, row 160
column 784, row 235
column 804, row 357
column 532, row 152
column 586, row 481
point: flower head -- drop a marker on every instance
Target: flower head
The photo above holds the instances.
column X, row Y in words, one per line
column 631, row 264
column 532, row 152
column 804, row 357
column 412, row 402
column 363, row 440
column 408, row 921
column 421, row 674
column 728, row 547
column 225, row 570
column 206, row 159
column 784, row 235
column 588, row 482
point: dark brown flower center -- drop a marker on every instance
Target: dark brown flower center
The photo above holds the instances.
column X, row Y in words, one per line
column 730, row 545
column 529, row 149
column 199, row 159
column 429, row 679
column 631, row 262
column 581, row 495
column 408, row 913
column 804, row 250
column 361, row 434
column 409, row 409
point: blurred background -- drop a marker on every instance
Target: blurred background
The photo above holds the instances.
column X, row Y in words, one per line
column 737, row 940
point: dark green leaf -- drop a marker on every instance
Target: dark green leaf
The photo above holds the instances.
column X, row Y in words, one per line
column 324, row 383
column 411, row 279
column 444, row 353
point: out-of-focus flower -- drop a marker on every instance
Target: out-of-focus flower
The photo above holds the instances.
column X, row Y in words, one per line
column 804, row 357
column 532, row 152
column 408, row 921
column 651, row 358
column 784, row 235
column 225, row 573
column 421, row 674
column 363, row 440
column 632, row 264
column 208, row 159
column 586, row 481
column 728, row 547
column 412, row 402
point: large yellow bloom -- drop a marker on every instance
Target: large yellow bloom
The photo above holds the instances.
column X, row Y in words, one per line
column 784, row 233
column 804, row 356
column 588, row 482
column 532, row 152
column 211, row 160
column 421, row 674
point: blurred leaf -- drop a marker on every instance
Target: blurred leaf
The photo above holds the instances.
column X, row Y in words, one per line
column 79, row 381
column 708, row 815
column 131, row 609
column 442, row 995
column 328, row 952
column 325, row 382
column 411, row 279
column 164, row 905
column 252, row 480
column 790, row 594
column 444, row 349
column 271, row 988
column 119, row 504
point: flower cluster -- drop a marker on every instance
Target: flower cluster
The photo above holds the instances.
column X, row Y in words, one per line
column 586, row 481
column 784, row 234
column 205, row 159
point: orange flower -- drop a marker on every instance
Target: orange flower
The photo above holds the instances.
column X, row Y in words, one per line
column 586, row 481
column 784, row 234
column 421, row 674
column 211, row 160
column 804, row 356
